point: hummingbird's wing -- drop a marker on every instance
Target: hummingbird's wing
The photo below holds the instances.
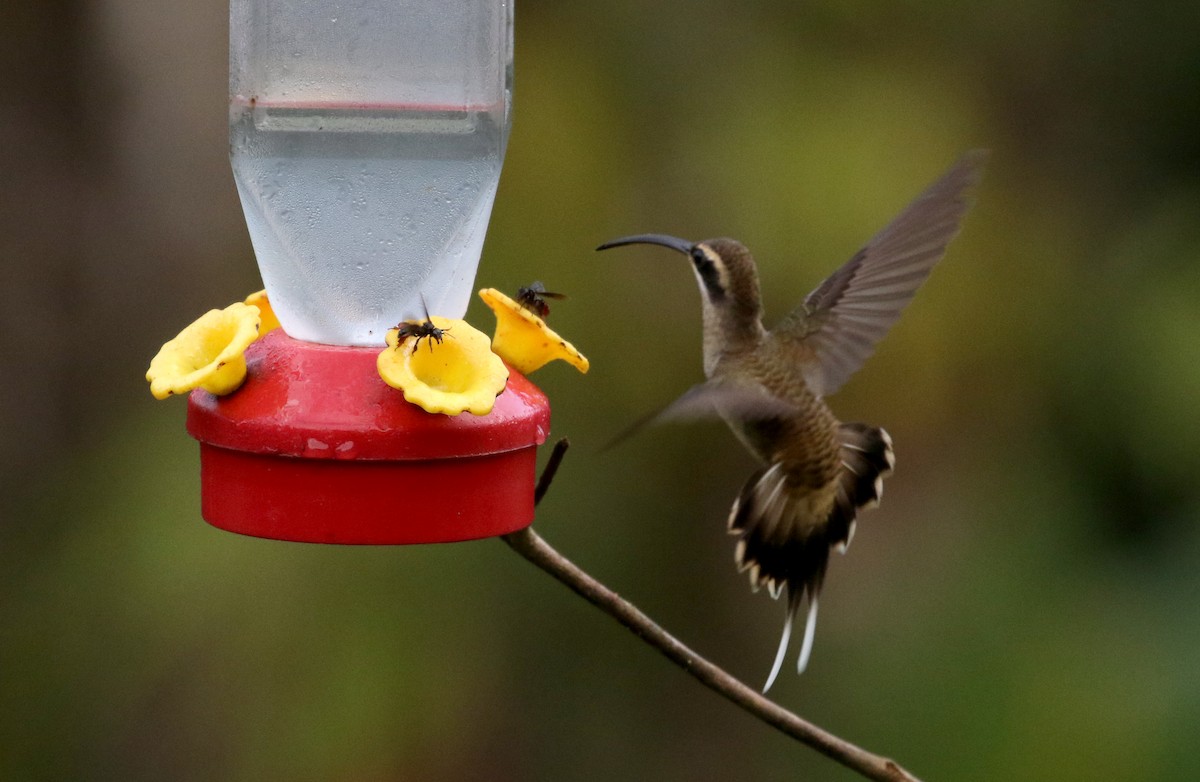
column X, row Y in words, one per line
column 714, row 399
column 843, row 319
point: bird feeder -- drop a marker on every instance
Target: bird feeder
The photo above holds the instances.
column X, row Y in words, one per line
column 366, row 139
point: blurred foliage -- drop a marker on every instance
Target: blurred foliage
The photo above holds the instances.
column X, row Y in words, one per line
column 1021, row 607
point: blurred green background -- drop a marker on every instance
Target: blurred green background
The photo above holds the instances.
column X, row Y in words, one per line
column 1023, row 605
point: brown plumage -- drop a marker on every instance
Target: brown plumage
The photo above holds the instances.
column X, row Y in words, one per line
column 770, row 386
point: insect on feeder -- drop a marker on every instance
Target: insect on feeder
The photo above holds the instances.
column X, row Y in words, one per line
column 366, row 141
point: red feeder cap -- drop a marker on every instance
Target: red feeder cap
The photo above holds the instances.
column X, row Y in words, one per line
column 315, row 447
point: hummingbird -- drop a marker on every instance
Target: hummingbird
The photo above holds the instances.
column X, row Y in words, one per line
column 816, row 472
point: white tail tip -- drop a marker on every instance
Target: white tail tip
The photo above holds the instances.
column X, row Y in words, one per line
column 783, row 644
column 810, row 629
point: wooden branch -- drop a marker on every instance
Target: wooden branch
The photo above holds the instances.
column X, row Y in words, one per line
column 529, row 545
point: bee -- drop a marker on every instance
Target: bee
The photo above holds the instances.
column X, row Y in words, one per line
column 533, row 298
column 421, row 330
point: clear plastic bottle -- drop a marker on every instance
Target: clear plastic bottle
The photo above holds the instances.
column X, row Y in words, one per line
column 366, row 144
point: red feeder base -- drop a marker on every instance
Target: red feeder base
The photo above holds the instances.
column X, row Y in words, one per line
column 315, row 447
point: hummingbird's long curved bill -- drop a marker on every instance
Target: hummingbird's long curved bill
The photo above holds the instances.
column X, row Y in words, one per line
column 675, row 243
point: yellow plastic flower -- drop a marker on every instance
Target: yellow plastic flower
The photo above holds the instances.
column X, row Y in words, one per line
column 524, row 340
column 208, row 354
column 265, row 311
column 459, row 372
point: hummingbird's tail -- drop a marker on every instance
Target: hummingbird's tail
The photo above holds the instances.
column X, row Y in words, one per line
column 785, row 532
column 867, row 458
column 810, row 628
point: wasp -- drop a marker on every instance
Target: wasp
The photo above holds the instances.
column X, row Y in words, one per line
column 533, row 298
column 421, row 330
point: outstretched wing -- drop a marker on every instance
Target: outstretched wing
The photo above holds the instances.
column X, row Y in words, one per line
column 713, row 399
column 843, row 319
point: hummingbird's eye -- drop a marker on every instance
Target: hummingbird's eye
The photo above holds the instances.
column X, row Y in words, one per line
column 710, row 274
